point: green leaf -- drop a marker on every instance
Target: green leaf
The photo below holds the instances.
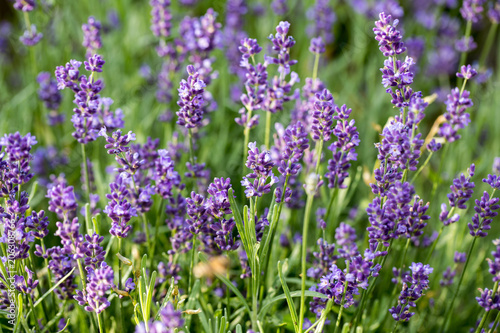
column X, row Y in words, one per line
column 238, row 329
column 239, row 220
column 54, row 287
column 167, row 297
column 193, row 297
column 203, row 318
column 291, row 304
column 266, row 306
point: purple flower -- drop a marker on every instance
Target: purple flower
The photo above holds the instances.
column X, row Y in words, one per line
column 94, row 253
column 459, row 257
column 345, row 235
column 322, row 116
column 485, row 212
column 467, row 72
column 471, row 10
column 448, row 277
column 493, row 181
column 461, row 192
column 48, row 91
column 31, row 37
column 119, row 208
column 99, row 281
column 388, row 37
column 494, row 13
column 279, row 7
column 38, row 223
column 282, row 43
column 343, row 149
column 487, row 300
column 160, row 18
column 62, row 200
column 191, row 100
column 261, row 165
column 317, row 45
column 323, row 259
column 321, row 18
column 60, row 264
column 456, row 115
column 170, row 319
column 28, row 285
column 413, row 288
column 92, row 35
column 494, row 265
column 25, row 5
column 465, row 44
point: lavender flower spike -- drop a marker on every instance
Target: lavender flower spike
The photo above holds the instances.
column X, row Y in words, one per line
column 261, row 165
column 388, row 37
column 191, row 100
column 485, row 212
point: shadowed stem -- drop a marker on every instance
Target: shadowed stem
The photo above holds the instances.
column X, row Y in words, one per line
column 304, row 251
column 495, row 323
column 422, row 167
column 487, row 45
column 468, row 29
column 450, row 308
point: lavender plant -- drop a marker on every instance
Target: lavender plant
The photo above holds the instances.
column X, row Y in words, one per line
column 143, row 213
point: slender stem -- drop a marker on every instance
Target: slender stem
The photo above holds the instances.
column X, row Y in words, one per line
column 99, row 321
column 485, row 316
column 190, row 281
column 87, row 184
column 422, row 167
column 315, row 68
column 191, row 149
column 305, row 230
column 395, row 327
column 246, row 133
column 434, row 245
column 337, row 324
column 268, row 129
column 495, row 323
column 120, row 283
column 450, row 308
column 146, row 228
column 82, row 276
column 487, row 45
column 468, row 29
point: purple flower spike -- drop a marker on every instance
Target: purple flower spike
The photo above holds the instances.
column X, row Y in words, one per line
column 31, row 37
column 317, row 45
column 94, row 63
column 62, row 200
column 467, row 72
column 25, row 5
column 413, row 289
column 160, row 18
column 493, row 181
column 485, row 212
column 170, row 319
column 388, row 37
column 261, row 165
column 322, row 116
column 282, row 43
column 471, row 10
column 191, row 100
column 48, row 91
column 99, row 281
column 321, row 18
column 92, row 35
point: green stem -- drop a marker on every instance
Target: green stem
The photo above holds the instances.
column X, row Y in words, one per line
column 450, row 308
column 434, row 245
column 422, row 167
column 495, row 323
column 99, row 321
column 468, row 29
column 119, row 284
column 87, row 184
column 337, row 324
column 146, row 229
column 487, row 45
column 268, row 129
column 305, row 230
column 191, row 266
column 395, row 327
column 315, row 68
column 191, row 149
